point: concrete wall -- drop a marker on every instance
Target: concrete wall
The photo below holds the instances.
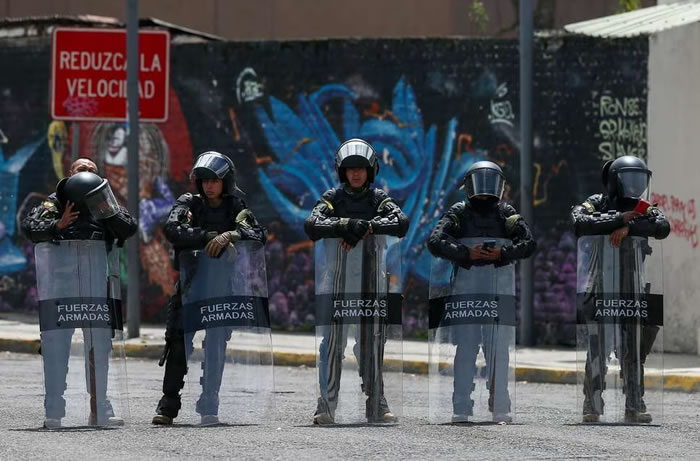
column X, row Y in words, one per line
column 299, row 19
column 674, row 126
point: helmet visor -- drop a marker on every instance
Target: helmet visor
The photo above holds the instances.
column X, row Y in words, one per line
column 214, row 164
column 354, row 161
column 101, row 202
column 485, row 182
column 355, row 154
column 634, row 183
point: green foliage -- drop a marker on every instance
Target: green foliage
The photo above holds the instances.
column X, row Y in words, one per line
column 478, row 15
column 623, row 6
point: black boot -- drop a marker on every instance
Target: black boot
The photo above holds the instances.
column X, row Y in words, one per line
column 377, row 411
column 167, row 410
column 324, row 414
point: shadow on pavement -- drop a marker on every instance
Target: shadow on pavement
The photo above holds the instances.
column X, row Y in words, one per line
column 68, row 429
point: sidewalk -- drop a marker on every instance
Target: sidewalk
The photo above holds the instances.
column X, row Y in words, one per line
column 544, row 365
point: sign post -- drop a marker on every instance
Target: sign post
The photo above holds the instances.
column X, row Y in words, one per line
column 89, row 82
column 133, row 89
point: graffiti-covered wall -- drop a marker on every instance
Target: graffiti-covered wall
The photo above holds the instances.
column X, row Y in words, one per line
column 279, row 109
column 674, row 112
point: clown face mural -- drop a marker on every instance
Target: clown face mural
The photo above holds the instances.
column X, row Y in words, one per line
column 108, row 141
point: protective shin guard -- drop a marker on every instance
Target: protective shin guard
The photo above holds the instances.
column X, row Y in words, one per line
column 596, row 369
column 632, row 367
column 212, row 371
column 56, row 353
column 98, row 348
column 371, row 358
column 496, row 349
column 173, row 381
column 336, row 350
column 464, row 373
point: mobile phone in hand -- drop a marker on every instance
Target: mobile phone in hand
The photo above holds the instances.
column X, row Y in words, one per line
column 488, row 244
column 642, row 206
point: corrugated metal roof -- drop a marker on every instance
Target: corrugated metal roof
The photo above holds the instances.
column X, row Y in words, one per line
column 645, row 21
column 37, row 26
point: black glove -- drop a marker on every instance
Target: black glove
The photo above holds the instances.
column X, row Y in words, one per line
column 357, row 228
column 464, row 261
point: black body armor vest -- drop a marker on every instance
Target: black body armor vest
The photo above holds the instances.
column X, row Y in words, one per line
column 219, row 219
column 483, row 221
column 360, row 206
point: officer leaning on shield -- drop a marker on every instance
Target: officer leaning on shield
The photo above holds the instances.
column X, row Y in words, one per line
column 213, row 221
column 356, row 231
column 619, row 264
column 352, row 226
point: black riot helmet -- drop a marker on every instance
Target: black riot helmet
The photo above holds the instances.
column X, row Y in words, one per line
column 356, row 153
column 484, row 178
column 90, row 193
column 627, row 178
column 213, row 165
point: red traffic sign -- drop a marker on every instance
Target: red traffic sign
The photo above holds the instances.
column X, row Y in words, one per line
column 88, row 74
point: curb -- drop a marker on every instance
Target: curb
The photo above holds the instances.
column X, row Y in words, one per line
column 545, row 375
column 22, row 346
column 688, row 383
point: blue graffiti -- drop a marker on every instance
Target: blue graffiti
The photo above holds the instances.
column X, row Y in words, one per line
column 153, row 211
column 411, row 170
column 12, row 259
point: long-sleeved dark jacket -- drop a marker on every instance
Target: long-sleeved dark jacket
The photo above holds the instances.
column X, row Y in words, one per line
column 463, row 220
column 598, row 215
column 329, row 217
column 40, row 225
column 192, row 222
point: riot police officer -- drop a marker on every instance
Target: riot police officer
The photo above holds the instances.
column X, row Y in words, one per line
column 82, row 208
column 483, row 214
column 211, row 220
column 616, row 213
column 351, row 212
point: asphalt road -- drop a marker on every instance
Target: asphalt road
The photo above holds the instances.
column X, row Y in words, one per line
column 544, row 428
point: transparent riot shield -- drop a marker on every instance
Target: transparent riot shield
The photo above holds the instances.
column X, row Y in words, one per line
column 228, row 344
column 82, row 343
column 472, row 340
column 619, row 330
column 358, row 329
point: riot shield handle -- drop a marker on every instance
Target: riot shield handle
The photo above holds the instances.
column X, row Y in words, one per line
column 164, row 356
